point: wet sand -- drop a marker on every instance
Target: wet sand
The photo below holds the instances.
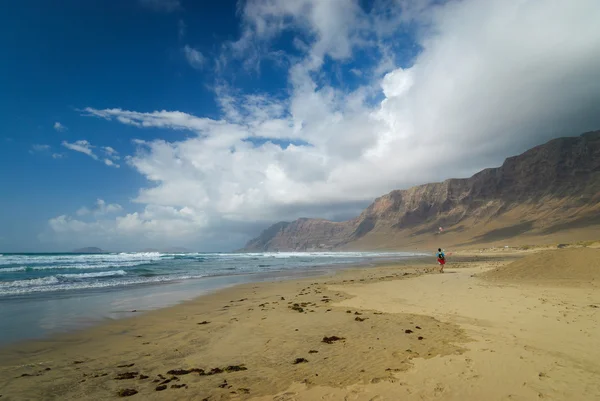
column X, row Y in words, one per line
column 382, row 333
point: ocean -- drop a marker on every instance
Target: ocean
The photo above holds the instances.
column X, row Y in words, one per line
column 43, row 294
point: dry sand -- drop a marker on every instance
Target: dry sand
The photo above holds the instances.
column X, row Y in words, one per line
column 407, row 335
column 576, row 266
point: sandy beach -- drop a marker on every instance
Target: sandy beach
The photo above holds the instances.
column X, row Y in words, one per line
column 480, row 331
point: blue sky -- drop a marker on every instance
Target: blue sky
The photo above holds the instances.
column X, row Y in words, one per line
column 137, row 123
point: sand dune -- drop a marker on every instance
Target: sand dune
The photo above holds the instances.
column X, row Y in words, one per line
column 570, row 265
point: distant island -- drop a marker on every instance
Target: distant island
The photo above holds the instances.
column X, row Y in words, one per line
column 90, row 249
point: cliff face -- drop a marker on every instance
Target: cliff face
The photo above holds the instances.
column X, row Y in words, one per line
column 551, row 184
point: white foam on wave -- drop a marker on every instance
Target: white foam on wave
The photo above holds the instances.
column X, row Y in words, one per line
column 89, row 266
column 141, row 254
column 13, row 269
column 93, row 275
column 59, row 278
column 79, row 259
column 42, row 281
column 51, row 287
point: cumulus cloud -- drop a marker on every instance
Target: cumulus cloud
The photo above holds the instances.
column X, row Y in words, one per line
column 154, row 226
column 161, row 5
column 59, row 127
column 194, row 57
column 85, row 147
column 100, row 208
column 333, row 28
column 491, row 80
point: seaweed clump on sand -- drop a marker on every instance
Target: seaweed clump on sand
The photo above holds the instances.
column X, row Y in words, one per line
column 332, row 339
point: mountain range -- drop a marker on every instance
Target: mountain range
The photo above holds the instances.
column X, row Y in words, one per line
column 550, row 193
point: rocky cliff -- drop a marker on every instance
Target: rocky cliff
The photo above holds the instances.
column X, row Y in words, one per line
column 551, row 188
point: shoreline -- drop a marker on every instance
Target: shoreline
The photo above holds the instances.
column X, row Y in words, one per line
column 142, row 299
column 39, row 315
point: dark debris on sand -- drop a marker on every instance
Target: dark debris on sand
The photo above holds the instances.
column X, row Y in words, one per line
column 126, row 366
column 180, row 372
column 300, row 360
column 202, row 372
column 126, row 375
column 29, row 375
column 167, row 381
column 126, row 392
column 332, row 339
column 235, row 368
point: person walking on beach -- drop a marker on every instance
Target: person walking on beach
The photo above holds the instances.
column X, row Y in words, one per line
column 441, row 258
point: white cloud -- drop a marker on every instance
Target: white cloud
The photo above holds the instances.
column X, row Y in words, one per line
column 110, row 163
column 492, row 79
column 161, row 5
column 57, row 155
column 40, row 148
column 100, row 208
column 110, row 150
column 333, row 27
column 194, row 57
column 154, row 226
column 83, row 146
column 112, row 154
column 59, row 127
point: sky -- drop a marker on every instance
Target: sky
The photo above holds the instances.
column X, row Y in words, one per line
column 154, row 123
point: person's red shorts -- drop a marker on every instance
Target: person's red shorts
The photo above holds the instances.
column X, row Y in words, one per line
column 442, row 261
